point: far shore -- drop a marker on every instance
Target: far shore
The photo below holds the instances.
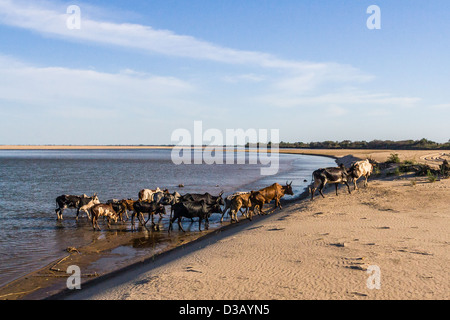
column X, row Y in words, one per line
column 430, row 157
column 78, row 147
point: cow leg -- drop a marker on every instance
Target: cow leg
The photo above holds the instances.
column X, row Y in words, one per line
column 199, row 224
column 355, row 183
column 260, row 208
column 317, row 184
column 87, row 214
column 207, row 224
column 78, row 212
column 132, row 220
column 95, row 223
column 250, row 214
column 153, row 222
column 59, row 212
column 227, row 206
column 159, row 222
column 348, row 187
column 171, row 224
column 223, row 213
column 179, row 224
column 366, row 184
column 245, row 212
column 233, row 214
column 322, row 185
column 141, row 218
column 277, row 203
column 336, row 185
column 150, row 216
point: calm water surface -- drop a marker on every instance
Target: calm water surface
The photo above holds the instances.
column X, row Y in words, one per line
column 30, row 181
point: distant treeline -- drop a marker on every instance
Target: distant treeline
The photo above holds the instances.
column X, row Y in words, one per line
column 422, row 144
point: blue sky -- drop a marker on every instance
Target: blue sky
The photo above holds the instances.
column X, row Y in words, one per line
column 138, row 70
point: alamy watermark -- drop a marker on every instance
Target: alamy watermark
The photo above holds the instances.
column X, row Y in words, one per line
column 374, row 21
column 74, row 281
column 73, row 21
column 215, row 147
column 374, row 280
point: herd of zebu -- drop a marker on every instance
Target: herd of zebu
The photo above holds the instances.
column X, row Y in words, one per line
column 201, row 206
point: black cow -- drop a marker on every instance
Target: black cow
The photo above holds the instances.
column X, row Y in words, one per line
column 209, row 199
column 170, row 199
column 81, row 203
column 192, row 209
column 329, row 175
column 152, row 208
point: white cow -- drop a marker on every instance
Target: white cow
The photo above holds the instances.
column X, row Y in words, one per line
column 360, row 169
column 147, row 194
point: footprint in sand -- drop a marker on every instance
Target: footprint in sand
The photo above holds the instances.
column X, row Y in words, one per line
column 191, row 269
column 275, row 229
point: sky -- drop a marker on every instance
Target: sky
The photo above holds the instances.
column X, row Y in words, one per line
column 133, row 72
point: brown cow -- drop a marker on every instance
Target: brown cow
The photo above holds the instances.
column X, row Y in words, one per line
column 105, row 210
column 266, row 195
column 238, row 202
column 128, row 205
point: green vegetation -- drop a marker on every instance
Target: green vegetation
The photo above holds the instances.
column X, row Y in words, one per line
column 431, row 177
column 393, row 158
column 422, row 144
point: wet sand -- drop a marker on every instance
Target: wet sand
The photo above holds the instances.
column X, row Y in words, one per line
column 308, row 250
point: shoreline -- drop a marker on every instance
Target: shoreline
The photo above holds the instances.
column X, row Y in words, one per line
column 197, row 241
column 431, row 157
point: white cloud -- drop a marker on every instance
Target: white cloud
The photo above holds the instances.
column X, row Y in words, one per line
column 50, row 19
column 57, row 88
column 322, row 92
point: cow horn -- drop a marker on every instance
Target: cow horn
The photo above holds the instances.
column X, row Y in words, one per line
column 221, row 193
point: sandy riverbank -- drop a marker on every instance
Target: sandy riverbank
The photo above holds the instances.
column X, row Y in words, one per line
column 314, row 250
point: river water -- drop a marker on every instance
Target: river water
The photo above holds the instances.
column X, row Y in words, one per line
column 30, row 181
